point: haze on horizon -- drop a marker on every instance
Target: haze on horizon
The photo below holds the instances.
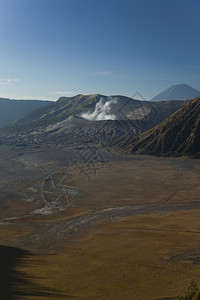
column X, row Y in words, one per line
column 65, row 47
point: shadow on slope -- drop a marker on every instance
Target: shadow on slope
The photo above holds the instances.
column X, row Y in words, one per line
column 15, row 284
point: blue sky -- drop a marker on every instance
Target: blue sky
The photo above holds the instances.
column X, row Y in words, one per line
column 53, row 48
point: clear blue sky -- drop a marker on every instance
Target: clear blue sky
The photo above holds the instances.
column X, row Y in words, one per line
column 51, row 48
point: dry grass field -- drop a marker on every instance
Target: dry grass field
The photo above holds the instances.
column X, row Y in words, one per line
column 151, row 254
column 142, row 257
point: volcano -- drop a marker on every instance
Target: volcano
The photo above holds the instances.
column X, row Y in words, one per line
column 177, row 92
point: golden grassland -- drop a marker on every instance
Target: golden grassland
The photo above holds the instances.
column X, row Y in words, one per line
column 139, row 257
column 131, row 258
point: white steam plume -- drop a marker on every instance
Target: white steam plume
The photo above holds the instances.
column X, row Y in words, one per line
column 101, row 111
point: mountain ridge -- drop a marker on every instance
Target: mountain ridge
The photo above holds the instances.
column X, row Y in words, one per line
column 178, row 135
column 11, row 109
column 87, row 119
column 124, row 108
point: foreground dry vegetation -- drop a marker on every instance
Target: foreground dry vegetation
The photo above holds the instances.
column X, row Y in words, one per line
column 137, row 258
column 96, row 249
column 141, row 257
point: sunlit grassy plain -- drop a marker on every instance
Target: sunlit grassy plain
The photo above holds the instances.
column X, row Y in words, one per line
column 138, row 257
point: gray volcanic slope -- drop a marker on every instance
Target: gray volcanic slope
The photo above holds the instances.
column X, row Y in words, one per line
column 122, row 107
column 63, row 122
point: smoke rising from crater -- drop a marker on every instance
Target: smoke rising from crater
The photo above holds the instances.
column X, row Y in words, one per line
column 102, row 111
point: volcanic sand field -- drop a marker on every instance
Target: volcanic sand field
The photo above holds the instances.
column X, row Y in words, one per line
column 121, row 228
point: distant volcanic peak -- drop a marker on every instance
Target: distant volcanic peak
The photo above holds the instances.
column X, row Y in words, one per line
column 177, row 92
